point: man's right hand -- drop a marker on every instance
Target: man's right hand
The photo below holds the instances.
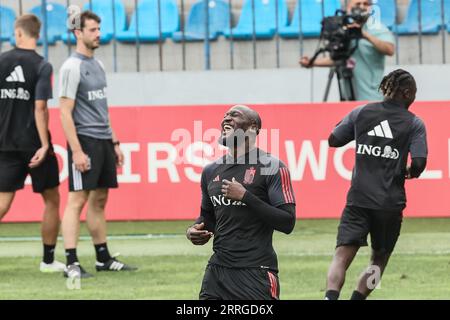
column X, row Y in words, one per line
column 304, row 62
column 197, row 235
column 81, row 161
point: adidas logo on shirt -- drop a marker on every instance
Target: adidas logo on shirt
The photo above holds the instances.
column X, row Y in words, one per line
column 382, row 130
column 16, row 75
column 18, row 93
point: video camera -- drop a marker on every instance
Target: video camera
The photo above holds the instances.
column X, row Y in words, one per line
column 339, row 36
column 341, row 40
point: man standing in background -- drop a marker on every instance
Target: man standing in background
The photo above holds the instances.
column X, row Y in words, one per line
column 94, row 151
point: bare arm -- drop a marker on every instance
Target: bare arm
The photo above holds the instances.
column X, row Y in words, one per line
column 66, row 108
column 117, row 150
column 319, row 62
column 383, row 47
column 41, row 120
column 203, row 228
column 80, row 159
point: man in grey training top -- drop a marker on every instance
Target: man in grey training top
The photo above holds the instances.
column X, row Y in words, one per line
column 93, row 150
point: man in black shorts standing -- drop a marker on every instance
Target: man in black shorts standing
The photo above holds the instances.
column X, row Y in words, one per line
column 385, row 133
column 94, row 150
column 25, row 146
column 246, row 195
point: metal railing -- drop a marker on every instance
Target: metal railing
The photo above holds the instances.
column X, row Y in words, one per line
column 235, row 10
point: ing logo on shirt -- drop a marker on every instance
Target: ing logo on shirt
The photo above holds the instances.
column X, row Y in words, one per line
column 97, row 94
column 388, row 151
column 221, row 200
column 18, row 94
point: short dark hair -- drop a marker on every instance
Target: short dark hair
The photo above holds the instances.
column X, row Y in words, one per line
column 30, row 24
column 79, row 20
column 397, row 79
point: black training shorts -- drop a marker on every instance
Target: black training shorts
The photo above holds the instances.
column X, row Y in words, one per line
column 222, row 283
column 383, row 225
column 14, row 170
column 103, row 171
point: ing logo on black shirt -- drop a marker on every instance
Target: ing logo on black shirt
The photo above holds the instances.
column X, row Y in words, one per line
column 221, row 200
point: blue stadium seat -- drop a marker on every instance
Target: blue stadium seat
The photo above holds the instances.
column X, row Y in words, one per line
column 447, row 14
column 431, row 18
column 219, row 21
column 56, row 22
column 311, row 18
column 265, row 19
column 384, row 10
column 104, row 9
column 149, row 23
column 7, row 17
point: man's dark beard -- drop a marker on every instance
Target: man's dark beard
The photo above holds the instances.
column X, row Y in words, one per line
column 91, row 46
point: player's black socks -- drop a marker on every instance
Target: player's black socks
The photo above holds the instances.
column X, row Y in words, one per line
column 49, row 253
column 356, row 295
column 332, row 295
column 102, row 253
column 71, row 256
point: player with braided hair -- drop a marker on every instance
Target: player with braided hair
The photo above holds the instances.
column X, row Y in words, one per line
column 385, row 133
column 397, row 79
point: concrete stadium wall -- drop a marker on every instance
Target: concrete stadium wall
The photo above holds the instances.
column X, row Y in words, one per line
column 248, row 86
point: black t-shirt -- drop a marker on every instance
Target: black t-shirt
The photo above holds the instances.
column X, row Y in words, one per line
column 241, row 238
column 24, row 78
column 385, row 133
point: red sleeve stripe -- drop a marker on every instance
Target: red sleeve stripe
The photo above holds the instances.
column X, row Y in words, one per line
column 286, row 185
column 273, row 285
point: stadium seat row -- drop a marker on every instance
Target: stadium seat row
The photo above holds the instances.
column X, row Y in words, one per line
column 145, row 25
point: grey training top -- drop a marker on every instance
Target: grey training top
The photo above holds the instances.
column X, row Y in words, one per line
column 83, row 79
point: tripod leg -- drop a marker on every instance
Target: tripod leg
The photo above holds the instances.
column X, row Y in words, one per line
column 352, row 91
column 341, row 85
column 327, row 89
column 347, row 76
column 345, row 85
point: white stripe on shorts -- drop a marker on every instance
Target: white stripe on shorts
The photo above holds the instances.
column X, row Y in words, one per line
column 77, row 179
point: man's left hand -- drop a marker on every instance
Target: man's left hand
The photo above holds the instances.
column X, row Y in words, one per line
column 233, row 190
column 119, row 156
column 38, row 157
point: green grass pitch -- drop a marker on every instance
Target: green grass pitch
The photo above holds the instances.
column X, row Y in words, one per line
column 172, row 268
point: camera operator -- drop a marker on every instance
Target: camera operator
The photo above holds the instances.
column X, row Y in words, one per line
column 368, row 58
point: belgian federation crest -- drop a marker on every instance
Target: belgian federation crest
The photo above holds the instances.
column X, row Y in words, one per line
column 249, row 175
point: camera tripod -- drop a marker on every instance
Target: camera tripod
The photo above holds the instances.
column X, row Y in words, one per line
column 344, row 77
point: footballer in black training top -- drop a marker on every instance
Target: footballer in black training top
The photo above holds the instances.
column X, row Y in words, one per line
column 246, row 195
column 385, row 133
column 25, row 146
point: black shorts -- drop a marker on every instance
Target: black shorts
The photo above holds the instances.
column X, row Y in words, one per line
column 222, row 283
column 383, row 225
column 103, row 172
column 14, row 170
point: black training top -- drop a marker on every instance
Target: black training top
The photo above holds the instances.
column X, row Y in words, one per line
column 385, row 133
column 24, row 78
column 241, row 238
